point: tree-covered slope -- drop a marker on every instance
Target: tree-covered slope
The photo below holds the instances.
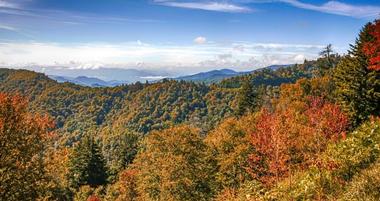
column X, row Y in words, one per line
column 137, row 107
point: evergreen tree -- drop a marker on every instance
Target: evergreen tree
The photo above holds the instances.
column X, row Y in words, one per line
column 358, row 87
column 86, row 165
column 119, row 147
column 248, row 98
column 327, row 62
column 327, row 51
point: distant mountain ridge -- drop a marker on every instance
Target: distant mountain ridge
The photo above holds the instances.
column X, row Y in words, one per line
column 92, row 79
column 87, row 81
column 214, row 76
column 106, row 74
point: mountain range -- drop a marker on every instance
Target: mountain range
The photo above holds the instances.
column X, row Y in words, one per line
column 87, row 81
column 94, row 77
column 215, row 76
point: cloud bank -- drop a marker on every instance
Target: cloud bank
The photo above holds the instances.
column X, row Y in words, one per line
column 186, row 58
column 222, row 6
column 339, row 8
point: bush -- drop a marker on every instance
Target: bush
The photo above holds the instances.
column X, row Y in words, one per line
column 365, row 186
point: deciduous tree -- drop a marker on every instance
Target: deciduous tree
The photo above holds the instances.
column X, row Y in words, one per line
column 173, row 166
column 23, row 139
column 372, row 48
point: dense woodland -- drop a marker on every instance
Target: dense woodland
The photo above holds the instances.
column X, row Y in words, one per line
column 305, row 132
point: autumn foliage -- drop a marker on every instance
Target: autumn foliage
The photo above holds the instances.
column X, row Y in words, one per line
column 23, row 138
column 93, row 198
column 372, row 48
column 184, row 141
column 125, row 187
column 293, row 134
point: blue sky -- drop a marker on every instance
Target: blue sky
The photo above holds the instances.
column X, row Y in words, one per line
column 179, row 36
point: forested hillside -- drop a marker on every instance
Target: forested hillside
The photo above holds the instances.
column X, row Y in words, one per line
column 305, row 132
column 139, row 107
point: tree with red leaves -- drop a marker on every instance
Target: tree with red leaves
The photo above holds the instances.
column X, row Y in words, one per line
column 294, row 134
column 93, row 198
column 372, row 47
column 270, row 158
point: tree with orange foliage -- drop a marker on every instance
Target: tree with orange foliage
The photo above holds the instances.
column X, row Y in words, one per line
column 295, row 132
column 229, row 145
column 173, row 165
column 93, row 198
column 270, row 157
column 23, row 138
column 56, row 168
column 125, row 187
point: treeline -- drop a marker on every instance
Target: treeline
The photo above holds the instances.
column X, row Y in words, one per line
column 307, row 132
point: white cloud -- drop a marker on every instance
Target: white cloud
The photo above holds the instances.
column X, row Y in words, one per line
column 200, row 40
column 15, row 30
column 209, row 6
column 339, row 8
column 8, row 28
column 7, row 4
column 185, row 58
column 237, row 6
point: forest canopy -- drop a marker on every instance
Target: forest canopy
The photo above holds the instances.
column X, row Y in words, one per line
column 307, row 131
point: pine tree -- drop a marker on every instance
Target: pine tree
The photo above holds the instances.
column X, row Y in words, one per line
column 325, row 63
column 248, row 98
column 326, row 53
column 86, row 165
column 358, row 87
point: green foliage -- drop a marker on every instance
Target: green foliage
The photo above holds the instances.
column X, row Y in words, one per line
column 269, row 77
column 313, row 184
column 358, row 88
column 248, row 98
column 86, row 165
column 328, row 61
column 364, row 186
column 162, row 105
column 358, row 151
column 119, row 148
column 136, row 107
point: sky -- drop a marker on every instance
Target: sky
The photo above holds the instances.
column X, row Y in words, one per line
column 181, row 36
